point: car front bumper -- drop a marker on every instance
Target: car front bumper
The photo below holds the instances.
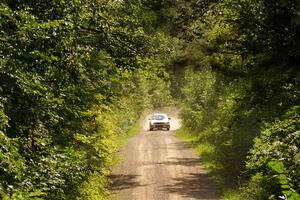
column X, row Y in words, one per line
column 160, row 126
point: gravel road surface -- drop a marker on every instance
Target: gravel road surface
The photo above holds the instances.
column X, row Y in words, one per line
column 157, row 166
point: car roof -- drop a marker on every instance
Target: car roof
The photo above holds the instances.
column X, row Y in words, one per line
column 160, row 114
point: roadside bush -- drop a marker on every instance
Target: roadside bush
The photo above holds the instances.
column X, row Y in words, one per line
column 275, row 158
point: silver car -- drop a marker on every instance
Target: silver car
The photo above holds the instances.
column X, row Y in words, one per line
column 159, row 121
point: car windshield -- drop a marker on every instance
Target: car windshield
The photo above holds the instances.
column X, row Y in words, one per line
column 158, row 117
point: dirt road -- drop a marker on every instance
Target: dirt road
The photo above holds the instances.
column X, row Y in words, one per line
column 157, row 166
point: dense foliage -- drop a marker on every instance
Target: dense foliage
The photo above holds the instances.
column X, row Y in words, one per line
column 74, row 75
column 274, row 158
column 239, row 68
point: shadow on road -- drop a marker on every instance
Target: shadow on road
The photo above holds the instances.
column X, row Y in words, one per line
column 182, row 161
column 196, row 186
column 123, row 182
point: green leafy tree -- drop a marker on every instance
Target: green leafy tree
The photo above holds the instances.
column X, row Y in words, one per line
column 241, row 60
column 64, row 68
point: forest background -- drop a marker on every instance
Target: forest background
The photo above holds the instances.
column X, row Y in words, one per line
column 76, row 76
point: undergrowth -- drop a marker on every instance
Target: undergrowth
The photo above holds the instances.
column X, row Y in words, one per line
column 208, row 155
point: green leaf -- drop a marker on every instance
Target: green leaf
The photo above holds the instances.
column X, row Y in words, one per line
column 277, row 166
